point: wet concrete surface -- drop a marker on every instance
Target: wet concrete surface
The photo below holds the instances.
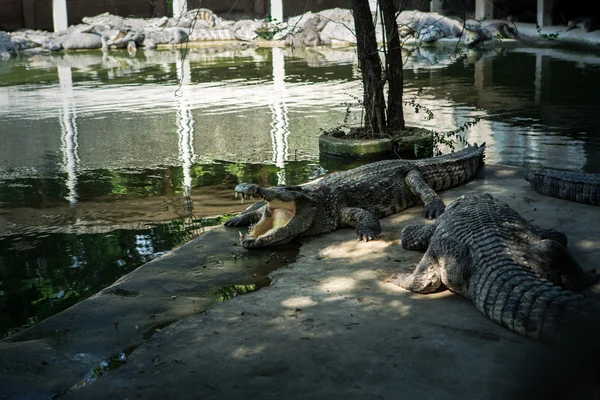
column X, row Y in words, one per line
column 327, row 326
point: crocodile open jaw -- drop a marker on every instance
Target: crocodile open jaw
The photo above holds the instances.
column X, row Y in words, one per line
column 275, row 215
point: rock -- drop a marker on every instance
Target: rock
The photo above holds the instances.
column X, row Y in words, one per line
column 200, row 17
column 104, row 19
column 245, row 29
column 82, row 41
column 336, row 31
column 10, row 45
column 123, row 37
column 204, row 35
column 6, row 46
column 478, row 32
column 588, row 24
column 80, row 28
column 36, row 37
column 338, row 15
column 166, row 35
column 149, row 44
column 293, row 26
column 428, row 27
column 309, row 36
column 54, row 43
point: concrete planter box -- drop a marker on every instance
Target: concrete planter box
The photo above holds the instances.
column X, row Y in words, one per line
column 354, row 148
column 402, row 146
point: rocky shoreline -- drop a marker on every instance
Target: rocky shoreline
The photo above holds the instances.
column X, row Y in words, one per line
column 330, row 27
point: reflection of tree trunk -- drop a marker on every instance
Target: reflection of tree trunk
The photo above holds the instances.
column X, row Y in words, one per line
column 370, row 66
column 393, row 60
column 168, row 181
column 263, row 179
column 40, row 188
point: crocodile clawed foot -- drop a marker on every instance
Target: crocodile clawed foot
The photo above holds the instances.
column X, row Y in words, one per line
column 366, row 236
column 247, row 242
column 434, row 209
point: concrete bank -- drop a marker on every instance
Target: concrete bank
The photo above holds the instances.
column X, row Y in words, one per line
column 327, row 327
column 68, row 349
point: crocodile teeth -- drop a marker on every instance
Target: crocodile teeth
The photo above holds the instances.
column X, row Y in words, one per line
column 242, row 195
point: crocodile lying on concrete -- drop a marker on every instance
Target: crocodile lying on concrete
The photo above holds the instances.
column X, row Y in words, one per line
column 574, row 186
column 517, row 274
column 309, row 36
column 358, row 198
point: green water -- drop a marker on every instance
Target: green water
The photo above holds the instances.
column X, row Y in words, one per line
column 106, row 162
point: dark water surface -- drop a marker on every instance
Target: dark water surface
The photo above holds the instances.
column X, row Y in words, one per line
column 108, row 162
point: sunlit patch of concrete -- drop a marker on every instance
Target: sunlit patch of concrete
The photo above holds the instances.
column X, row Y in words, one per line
column 340, row 284
column 357, row 251
column 298, row 302
column 247, row 351
column 363, row 274
column 587, row 244
column 399, row 307
column 507, row 172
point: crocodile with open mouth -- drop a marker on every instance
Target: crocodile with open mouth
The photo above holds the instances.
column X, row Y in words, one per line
column 357, row 198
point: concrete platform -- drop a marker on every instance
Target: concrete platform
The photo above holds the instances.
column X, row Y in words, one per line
column 327, row 326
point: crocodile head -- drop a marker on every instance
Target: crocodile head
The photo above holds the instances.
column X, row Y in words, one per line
column 288, row 212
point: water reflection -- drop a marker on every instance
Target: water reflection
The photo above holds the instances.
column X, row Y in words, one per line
column 185, row 128
column 150, row 148
column 68, row 137
column 279, row 126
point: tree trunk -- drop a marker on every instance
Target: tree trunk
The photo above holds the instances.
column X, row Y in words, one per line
column 393, row 61
column 370, row 66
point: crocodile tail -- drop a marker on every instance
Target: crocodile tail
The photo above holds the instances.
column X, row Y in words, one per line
column 579, row 187
column 482, row 157
column 450, row 170
column 524, row 303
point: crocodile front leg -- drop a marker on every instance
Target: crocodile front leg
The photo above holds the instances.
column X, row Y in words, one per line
column 417, row 237
column 249, row 216
column 552, row 234
column 562, row 269
column 366, row 224
column 434, row 206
